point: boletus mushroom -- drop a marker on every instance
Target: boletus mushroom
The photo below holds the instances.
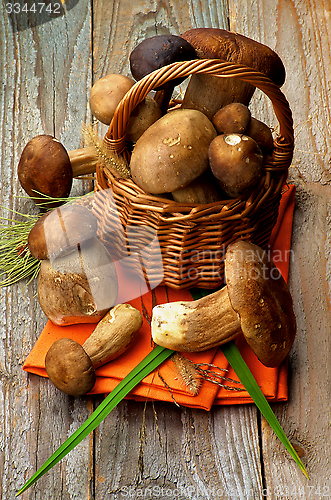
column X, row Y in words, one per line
column 255, row 302
column 47, row 168
column 155, row 52
column 234, row 118
column 201, row 191
column 172, row 152
column 237, row 162
column 78, row 287
column 106, row 93
column 210, row 93
column 61, row 230
column 142, row 117
column 71, row 367
column 261, row 133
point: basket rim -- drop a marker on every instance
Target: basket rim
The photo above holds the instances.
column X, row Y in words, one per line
column 115, row 135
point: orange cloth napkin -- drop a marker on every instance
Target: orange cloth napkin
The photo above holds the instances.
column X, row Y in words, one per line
column 165, row 384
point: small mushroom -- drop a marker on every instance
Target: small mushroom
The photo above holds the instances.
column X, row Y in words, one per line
column 172, row 152
column 105, row 95
column 78, row 287
column 142, row 117
column 234, row 118
column 210, row 93
column 47, row 168
column 61, row 230
column 261, row 133
column 237, row 162
column 71, row 367
column 255, row 302
column 200, row 192
column 155, row 52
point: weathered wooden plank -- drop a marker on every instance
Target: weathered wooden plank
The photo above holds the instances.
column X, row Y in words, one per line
column 306, row 417
column 300, row 33
column 119, row 25
column 186, row 453
column 45, row 74
column 45, row 78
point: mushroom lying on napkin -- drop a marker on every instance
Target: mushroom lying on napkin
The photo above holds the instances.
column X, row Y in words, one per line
column 255, row 302
column 71, row 367
column 77, row 279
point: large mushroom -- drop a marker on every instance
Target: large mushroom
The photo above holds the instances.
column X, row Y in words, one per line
column 78, row 287
column 255, row 302
column 155, row 52
column 172, row 152
column 61, row 230
column 210, row 93
column 71, row 367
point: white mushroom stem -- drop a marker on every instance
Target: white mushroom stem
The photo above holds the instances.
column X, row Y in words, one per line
column 83, row 161
column 196, row 325
column 113, row 334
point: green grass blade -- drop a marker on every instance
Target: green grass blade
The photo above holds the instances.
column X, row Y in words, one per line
column 144, row 368
column 232, row 354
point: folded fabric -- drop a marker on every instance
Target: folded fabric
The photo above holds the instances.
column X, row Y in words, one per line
column 166, row 384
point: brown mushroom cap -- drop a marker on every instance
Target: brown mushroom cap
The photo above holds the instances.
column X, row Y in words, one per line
column 106, row 93
column 61, row 230
column 172, row 152
column 45, row 167
column 237, row 163
column 232, row 119
column 217, row 43
column 261, row 133
column 261, row 298
column 69, row 367
column 155, row 52
column 201, row 191
column 143, row 116
column 210, row 93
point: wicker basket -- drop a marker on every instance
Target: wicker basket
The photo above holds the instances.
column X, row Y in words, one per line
column 192, row 238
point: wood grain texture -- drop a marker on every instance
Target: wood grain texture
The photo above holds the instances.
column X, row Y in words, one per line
column 45, row 75
column 300, row 33
column 119, row 25
column 187, row 453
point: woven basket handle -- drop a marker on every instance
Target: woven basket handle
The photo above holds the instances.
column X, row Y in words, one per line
column 283, row 145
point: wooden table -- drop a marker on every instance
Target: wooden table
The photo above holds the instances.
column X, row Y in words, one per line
column 229, row 452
